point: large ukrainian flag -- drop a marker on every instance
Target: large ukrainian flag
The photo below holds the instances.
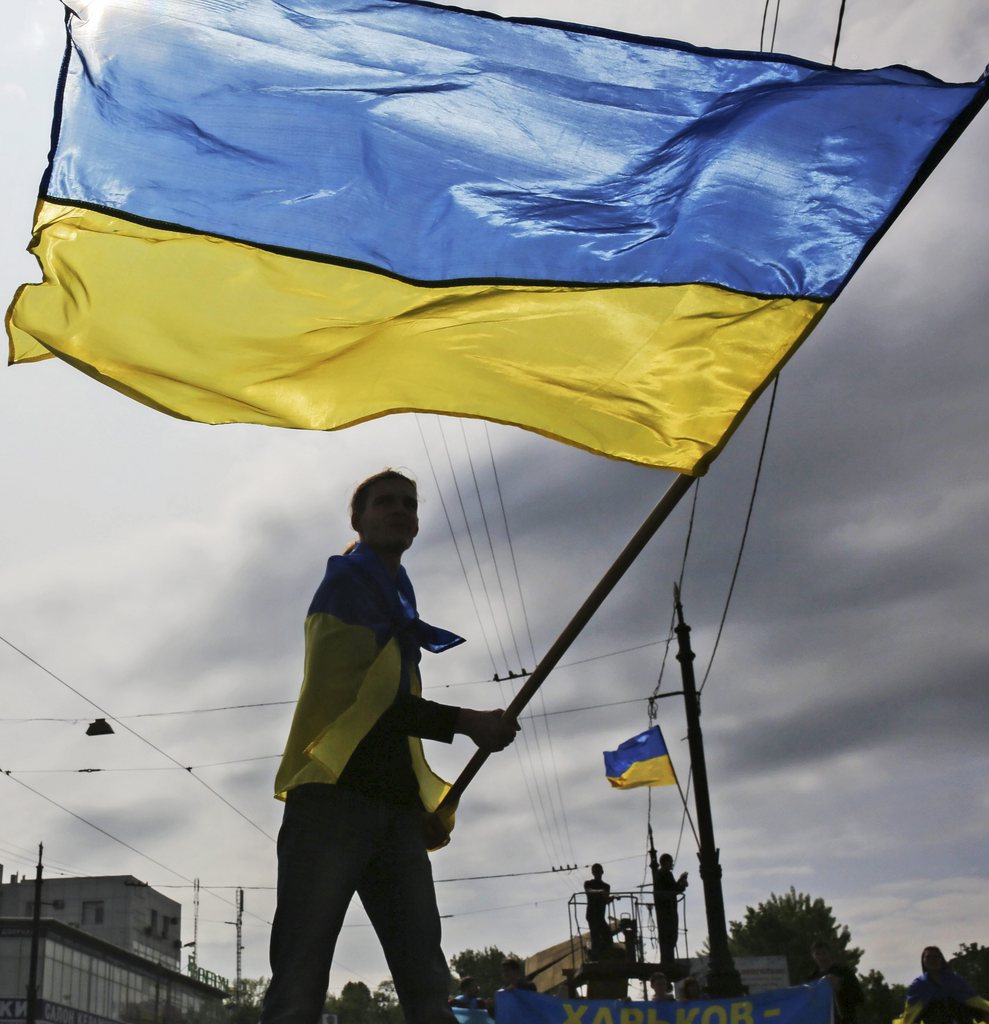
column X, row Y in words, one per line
column 309, row 213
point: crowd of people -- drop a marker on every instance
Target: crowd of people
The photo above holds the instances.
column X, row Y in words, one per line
column 469, row 996
column 938, row 995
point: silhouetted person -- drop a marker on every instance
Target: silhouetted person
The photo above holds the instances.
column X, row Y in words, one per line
column 513, row 977
column 468, row 996
column 668, row 889
column 845, row 987
column 690, row 989
column 940, row 996
column 662, row 990
column 353, row 776
column 598, row 897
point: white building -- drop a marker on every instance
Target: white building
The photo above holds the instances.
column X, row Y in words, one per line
column 108, row 953
column 115, row 908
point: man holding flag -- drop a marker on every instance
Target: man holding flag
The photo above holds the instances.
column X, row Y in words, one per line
column 353, row 776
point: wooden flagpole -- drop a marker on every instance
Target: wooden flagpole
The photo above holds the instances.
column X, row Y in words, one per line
column 595, row 599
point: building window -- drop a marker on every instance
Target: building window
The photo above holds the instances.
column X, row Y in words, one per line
column 92, row 911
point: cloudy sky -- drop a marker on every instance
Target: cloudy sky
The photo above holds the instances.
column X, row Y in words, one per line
column 163, row 568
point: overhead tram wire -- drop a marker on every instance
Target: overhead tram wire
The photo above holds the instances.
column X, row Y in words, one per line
column 776, row 21
column 274, row 757
column 544, row 838
column 561, row 803
column 545, row 771
column 538, row 774
column 279, row 703
column 684, row 795
column 125, row 844
column 98, row 828
column 557, row 805
column 143, row 739
column 745, row 533
column 511, row 546
column 473, row 547
column 494, row 560
column 456, row 546
column 541, row 818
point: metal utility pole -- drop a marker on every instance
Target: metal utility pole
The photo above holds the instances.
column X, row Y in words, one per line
column 32, row 979
column 722, row 978
column 238, row 990
column 195, row 920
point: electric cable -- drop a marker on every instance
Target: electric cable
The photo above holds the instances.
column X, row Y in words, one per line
column 561, row 802
column 456, row 546
column 143, row 739
column 745, row 533
column 473, row 546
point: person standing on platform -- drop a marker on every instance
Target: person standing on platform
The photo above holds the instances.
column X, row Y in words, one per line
column 598, row 897
column 668, row 889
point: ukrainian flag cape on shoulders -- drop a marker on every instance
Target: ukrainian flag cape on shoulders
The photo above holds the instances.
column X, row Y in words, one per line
column 363, row 644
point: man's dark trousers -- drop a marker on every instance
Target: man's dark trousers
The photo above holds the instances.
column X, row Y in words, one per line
column 333, row 843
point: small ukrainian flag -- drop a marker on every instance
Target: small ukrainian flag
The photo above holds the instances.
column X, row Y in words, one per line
column 641, row 761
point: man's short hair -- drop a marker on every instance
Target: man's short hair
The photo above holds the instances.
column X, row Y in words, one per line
column 466, row 982
column 358, row 500
column 666, row 858
column 512, row 964
column 820, row 947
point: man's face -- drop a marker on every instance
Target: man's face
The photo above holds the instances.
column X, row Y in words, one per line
column 931, row 960
column 822, row 957
column 390, row 519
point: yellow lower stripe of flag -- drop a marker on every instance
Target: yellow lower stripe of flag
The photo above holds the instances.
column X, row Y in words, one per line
column 220, row 331
column 657, row 771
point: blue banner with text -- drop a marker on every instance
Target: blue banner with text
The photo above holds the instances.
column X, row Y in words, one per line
column 805, row 1004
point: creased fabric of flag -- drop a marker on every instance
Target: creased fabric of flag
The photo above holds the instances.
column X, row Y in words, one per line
column 363, row 646
column 309, row 213
column 641, row 761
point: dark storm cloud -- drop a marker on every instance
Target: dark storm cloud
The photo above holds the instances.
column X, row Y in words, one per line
column 906, row 715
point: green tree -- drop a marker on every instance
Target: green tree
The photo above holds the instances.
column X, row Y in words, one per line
column 353, row 1005
column 484, row 965
column 972, row 963
column 385, row 1004
column 357, row 1004
column 788, row 925
column 246, row 1010
column 883, row 1002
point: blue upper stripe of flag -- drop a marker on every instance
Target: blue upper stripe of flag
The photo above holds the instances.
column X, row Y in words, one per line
column 644, row 747
column 441, row 145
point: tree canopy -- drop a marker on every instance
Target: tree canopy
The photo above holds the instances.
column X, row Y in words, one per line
column 482, row 964
column 357, row 1004
column 788, row 925
column 972, row 963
